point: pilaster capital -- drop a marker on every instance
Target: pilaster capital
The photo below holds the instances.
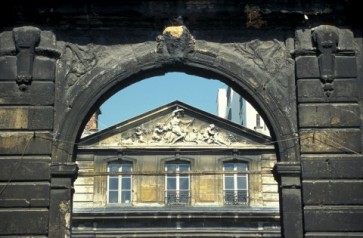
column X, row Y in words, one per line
column 64, row 170
column 289, row 174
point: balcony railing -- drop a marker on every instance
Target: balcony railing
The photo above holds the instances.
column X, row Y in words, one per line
column 235, row 198
column 177, row 198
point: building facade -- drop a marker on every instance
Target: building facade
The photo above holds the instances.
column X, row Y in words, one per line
column 234, row 107
column 176, row 171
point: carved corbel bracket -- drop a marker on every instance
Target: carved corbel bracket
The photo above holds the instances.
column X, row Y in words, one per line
column 25, row 39
column 175, row 41
column 326, row 39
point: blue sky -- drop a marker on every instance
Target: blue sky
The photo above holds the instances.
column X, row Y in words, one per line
column 158, row 91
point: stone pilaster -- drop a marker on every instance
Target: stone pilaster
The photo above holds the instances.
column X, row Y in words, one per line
column 289, row 176
column 60, row 209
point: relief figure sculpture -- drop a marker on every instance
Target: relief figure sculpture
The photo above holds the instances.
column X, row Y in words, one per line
column 175, row 131
column 210, row 136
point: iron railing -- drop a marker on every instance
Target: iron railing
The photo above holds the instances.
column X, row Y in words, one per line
column 177, row 198
column 235, row 197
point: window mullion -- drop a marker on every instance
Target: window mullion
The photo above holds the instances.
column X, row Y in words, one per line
column 177, row 186
column 235, row 180
column 119, row 185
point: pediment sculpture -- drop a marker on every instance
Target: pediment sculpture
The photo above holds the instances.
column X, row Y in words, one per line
column 178, row 128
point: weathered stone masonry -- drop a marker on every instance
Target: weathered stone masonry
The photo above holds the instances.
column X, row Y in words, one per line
column 27, row 66
column 305, row 76
column 330, row 129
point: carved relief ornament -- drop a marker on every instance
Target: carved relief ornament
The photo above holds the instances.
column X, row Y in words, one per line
column 25, row 39
column 175, row 41
column 176, row 129
column 326, row 39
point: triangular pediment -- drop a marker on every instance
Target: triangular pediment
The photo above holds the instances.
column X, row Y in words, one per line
column 176, row 125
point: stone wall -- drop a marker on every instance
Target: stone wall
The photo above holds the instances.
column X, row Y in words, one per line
column 27, row 75
column 329, row 105
column 299, row 63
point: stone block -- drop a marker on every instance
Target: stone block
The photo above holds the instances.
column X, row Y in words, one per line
column 38, row 93
column 77, row 205
column 273, row 196
column 345, row 67
column 31, row 118
column 7, row 45
column 85, row 180
column 333, row 192
column 346, row 39
column 268, row 164
column 307, row 67
column 13, row 118
column 311, row 90
column 268, row 179
column 329, row 115
column 44, row 68
column 8, row 68
column 83, row 188
column 332, row 166
column 27, row 168
column 271, row 204
column 31, row 221
column 48, row 44
column 292, row 214
column 333, row 218
column 303, row 39
column 33, row 194
column 85, row 165
column 83, row 197
column 331, row 141
column 269, row 188
column 22, row 143
column 333, row 234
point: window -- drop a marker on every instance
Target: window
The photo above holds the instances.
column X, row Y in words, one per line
column 258, row 121
column 177, row 184
column 119, row 185
column 240, row 104
column 229, row 116
column 235, row 183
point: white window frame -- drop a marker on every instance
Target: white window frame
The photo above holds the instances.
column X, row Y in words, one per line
column 177, row 183
column 235, row 182
column 120, row 178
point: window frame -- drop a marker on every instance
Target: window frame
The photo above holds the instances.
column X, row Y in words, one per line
column 120, row 180
column 178, row 177
column 235, row 175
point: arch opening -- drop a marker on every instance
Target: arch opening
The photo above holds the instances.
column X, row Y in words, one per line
column 267, row 110
column 183, row 189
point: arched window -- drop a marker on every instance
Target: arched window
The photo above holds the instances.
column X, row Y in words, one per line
column 235, row 183
column 177, row 183
column 119, row 183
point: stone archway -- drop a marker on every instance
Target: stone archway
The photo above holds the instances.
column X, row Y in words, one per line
column 49, row 87
column 90, row 74
column 266, row 88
